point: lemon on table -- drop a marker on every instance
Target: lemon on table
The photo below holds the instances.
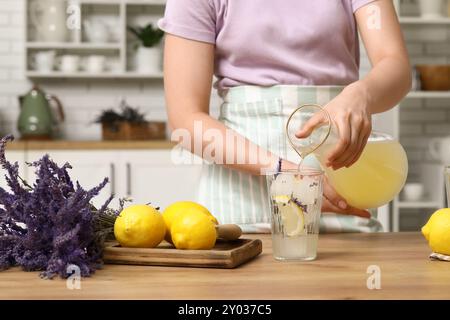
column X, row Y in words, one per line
column 291, row 215
column 194, row 230
column 437, row 231
column 139, row 226
column 173, row 212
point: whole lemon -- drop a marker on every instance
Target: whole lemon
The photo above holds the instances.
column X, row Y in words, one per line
column 437, row 231
column 193, row 230
column 175, row 210
column 139, row 226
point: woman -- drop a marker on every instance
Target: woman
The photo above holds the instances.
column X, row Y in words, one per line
column 270, row 56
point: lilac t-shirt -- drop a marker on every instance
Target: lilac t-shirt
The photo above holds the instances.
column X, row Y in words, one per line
column 270, row 42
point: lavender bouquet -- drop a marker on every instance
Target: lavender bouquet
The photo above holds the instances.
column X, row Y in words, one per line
column 51, row 224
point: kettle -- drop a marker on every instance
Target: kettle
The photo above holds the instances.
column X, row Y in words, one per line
column 37, row 121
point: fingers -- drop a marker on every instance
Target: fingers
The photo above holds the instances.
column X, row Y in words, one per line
column 359, row 213
column 310, row 125
column 345, row 139
column 356, row 124
column 354, row 133
column 328, row 206
column 333, row 202
column 332, row 196
column 364, row 137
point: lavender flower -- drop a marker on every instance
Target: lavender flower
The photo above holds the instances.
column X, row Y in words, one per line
column 52, row 224
column 300, row 204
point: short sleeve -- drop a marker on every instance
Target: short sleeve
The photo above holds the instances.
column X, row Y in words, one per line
column 356, row 4
column 190, row 19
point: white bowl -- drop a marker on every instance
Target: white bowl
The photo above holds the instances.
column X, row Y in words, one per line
column 413, row 191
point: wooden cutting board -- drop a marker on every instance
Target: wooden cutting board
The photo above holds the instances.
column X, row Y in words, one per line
column 225, row 255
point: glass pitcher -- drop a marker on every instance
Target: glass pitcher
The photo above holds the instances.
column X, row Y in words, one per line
column 374, row 180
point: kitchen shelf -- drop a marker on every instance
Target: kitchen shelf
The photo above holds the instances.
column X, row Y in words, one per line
column 428, row 94
column 85, row 75
column 128, row 2
column 419, row 204
column 420, row 20
column 120, row 52
column 136, row 75
column 73, row 45
column 146, row 2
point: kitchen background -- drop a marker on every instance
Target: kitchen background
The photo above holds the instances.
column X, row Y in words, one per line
column 422, row 116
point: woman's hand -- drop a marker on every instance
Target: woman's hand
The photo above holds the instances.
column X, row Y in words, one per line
column 350, row 116
column 333, row 202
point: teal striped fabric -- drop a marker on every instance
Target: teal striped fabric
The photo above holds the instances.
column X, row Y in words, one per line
column 260, row 115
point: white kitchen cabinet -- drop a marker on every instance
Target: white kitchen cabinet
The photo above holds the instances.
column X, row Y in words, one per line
column 89, row 168
column 142, row 175
column 153, row 177
column 13, row 156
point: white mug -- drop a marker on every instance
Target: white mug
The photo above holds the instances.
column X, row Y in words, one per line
column 413, row 191
column 96, row 31
column 431, row 9
column 95, row 64
column 69, row 63
column 115, row 66
column 44, row 61
column 440, row 149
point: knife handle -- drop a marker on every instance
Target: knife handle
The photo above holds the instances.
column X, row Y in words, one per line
column 228, row 232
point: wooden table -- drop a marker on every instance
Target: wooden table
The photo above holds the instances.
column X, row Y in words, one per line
column 340, row 272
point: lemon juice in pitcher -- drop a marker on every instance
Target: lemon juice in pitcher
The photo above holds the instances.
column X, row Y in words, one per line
column 374, row 180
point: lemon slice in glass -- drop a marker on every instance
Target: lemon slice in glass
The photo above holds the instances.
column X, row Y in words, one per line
column 292, row 217
column 282, row 199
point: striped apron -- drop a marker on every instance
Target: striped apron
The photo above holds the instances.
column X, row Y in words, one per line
column 260, row 114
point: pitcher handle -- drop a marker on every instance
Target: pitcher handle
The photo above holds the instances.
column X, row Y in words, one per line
column 59, row 107
column 434, row 148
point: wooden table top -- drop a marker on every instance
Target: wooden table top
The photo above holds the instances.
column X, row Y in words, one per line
column 340, row 272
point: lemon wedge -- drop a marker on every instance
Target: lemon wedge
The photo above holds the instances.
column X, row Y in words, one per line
column 282, row 199
column 291, row 215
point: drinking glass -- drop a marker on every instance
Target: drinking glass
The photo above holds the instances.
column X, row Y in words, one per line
column 295, row 201
column 447, row 184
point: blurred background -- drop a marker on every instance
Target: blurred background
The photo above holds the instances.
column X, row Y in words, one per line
column 93, row 70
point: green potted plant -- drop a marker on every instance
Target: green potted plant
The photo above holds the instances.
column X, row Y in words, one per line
column 148, row 55
column 129, row 124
